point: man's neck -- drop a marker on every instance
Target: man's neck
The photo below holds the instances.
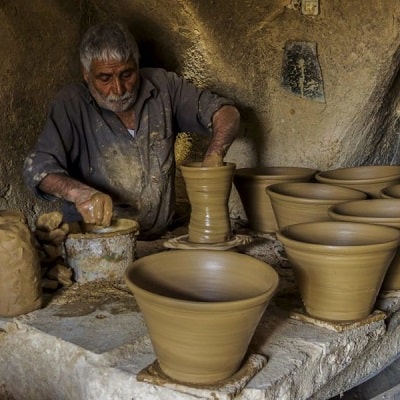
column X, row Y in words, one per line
column 128, row 118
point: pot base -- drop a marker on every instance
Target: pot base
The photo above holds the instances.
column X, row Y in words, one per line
column 337, row 326
column 231, row 386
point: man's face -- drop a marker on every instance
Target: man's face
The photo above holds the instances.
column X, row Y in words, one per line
column 113, row 84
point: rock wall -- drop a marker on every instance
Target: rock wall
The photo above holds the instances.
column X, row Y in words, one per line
column 237, row 48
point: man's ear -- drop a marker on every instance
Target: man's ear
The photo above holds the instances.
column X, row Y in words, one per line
column 85, row 74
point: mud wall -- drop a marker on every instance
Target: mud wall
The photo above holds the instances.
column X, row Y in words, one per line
column 334, row 106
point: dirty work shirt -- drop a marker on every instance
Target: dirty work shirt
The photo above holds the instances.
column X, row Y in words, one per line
column 91, row 144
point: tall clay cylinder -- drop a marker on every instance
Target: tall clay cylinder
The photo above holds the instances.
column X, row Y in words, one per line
column 208, row 190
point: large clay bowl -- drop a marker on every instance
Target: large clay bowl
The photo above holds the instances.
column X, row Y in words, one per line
column 374, row 211
column 391, row 192
column 201, row 309
column 251, row 183
column 297, row 202
column 369, row 178
column 339, row 266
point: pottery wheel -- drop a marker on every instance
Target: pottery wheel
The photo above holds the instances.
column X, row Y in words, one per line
column 182, row 242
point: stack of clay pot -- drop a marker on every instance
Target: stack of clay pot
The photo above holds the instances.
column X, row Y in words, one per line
column 251, row 184
column 341, row 261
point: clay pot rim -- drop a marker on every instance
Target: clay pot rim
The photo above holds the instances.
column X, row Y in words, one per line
column 387, row 192
column 258, row 173
column 347, row 193
column 287, row 240
column 338, row 211
column 109, row 231
column 203, row 306
column 329, row 176
column 197, row 165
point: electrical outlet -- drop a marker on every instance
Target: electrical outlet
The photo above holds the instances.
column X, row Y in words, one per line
column 310, row 7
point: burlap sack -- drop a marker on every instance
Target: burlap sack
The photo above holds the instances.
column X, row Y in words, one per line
column 20, row 283
column 12, row 216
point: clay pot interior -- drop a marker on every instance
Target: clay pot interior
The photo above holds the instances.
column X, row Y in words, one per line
column 297, row 202
column 251, row 183
column 369, row 178
column 374, row 211
column 339, row 266
column 201, row 309
column 391, row 192
column 208, row 190
column 119, row 226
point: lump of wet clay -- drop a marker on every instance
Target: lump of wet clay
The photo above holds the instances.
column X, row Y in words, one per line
column 49, row 221
column 20, row 271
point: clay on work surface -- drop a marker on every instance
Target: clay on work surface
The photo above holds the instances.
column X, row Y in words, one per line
column 208, row 190
column 201, row 308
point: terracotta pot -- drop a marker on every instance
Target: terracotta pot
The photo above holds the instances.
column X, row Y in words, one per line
column 370, row 179
column 374, row 211
column 339, row 266
column 201, row 308
column 208, row 190
column 391, row 192
column 251, row 183
column 298, row 202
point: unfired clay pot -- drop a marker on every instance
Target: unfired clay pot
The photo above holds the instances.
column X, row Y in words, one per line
column 208, row 190
column 339, row 266
column 391, row 192
column 296, row 202
column 370, row 179
column 374, row 211
column 251, row 183
column 201, row 308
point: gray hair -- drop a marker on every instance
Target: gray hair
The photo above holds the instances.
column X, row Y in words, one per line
column 108, row 40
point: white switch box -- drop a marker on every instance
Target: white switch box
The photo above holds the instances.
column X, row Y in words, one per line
column 310, row 7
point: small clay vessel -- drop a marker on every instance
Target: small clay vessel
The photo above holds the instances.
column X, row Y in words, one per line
column 102, row 253
column 201, row 308
column 251, row 183
column 370, row 179
column 374, row 211
column 208, row 190
column 297, row 202
column 339, row 266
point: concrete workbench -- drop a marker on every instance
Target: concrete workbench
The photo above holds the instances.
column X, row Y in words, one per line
column 89, row 341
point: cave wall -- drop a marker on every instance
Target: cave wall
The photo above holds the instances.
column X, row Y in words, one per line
column 237, row 48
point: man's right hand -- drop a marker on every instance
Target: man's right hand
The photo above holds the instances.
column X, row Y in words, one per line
column 97, row 209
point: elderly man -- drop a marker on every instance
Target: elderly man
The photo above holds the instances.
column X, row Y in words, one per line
column 107, row 147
